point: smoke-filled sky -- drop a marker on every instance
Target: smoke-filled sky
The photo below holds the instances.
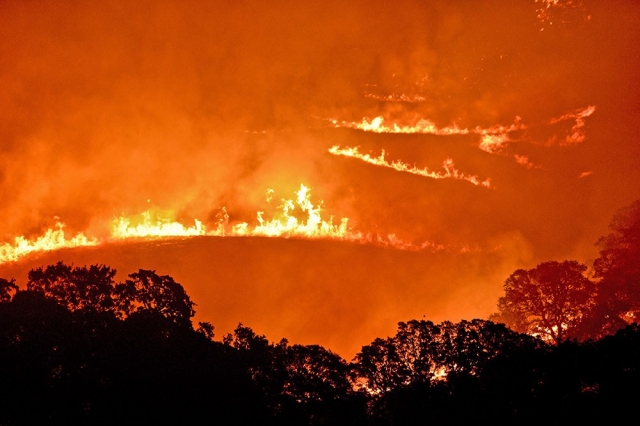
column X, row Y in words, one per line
column 112, row 108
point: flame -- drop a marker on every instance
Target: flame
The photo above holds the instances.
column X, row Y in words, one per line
column 53, row 239
column 295, row 218
column 161, row 227
column 493, row 139
column 524, row 161
column 287, row 224
column 422, row 126
column 493, row 144
column 577, row 130
column 449, row 168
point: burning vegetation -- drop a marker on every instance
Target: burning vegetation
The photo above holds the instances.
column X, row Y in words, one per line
column 453, row 145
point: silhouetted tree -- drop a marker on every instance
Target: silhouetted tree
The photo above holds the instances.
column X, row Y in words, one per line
column 206, row 328
column 41, row 357
column 549, row 300
column 423, row 353
column 618, row 267
column 64, row 363
column 300, row 384
column 7, row 289
column 315, row 386
column 410, row 357
column 244, row 338
column 467, row 346
column 431, row 374
column 76, row 288
column 93, row 289
column 147, row 292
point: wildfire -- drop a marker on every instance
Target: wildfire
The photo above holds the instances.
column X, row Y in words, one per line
column 285, row 224
column 449, row 168
column 493, row 139
column 299, row 217
column 53, row 239
column 294, row 218
column 288, row 225
column 422, row 126
column 161, row 227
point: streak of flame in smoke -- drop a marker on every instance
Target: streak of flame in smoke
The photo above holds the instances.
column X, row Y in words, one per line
column 493, row 139
column 449, row 168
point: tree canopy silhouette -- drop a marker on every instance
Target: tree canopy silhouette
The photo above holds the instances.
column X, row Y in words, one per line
column 64, row 361
column 7, row 289
column 76, row 288
column 549, row 300
column 422, row 353
column 147, row 292
column 618, row 267
column 300, row 384
column 93, row 289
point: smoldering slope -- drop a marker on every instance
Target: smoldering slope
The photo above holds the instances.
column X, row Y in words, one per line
column 115, row 108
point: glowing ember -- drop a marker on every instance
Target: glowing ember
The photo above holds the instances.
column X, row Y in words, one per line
column 53, row 239
column 449, row 169
column 557, row 13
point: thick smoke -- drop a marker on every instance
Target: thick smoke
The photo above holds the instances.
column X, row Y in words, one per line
column 114, row 108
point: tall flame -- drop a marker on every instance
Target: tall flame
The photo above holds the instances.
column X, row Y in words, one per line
column 288, row 225
column 53, row 239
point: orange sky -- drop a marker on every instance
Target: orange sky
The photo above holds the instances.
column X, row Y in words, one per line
column 112, row 108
